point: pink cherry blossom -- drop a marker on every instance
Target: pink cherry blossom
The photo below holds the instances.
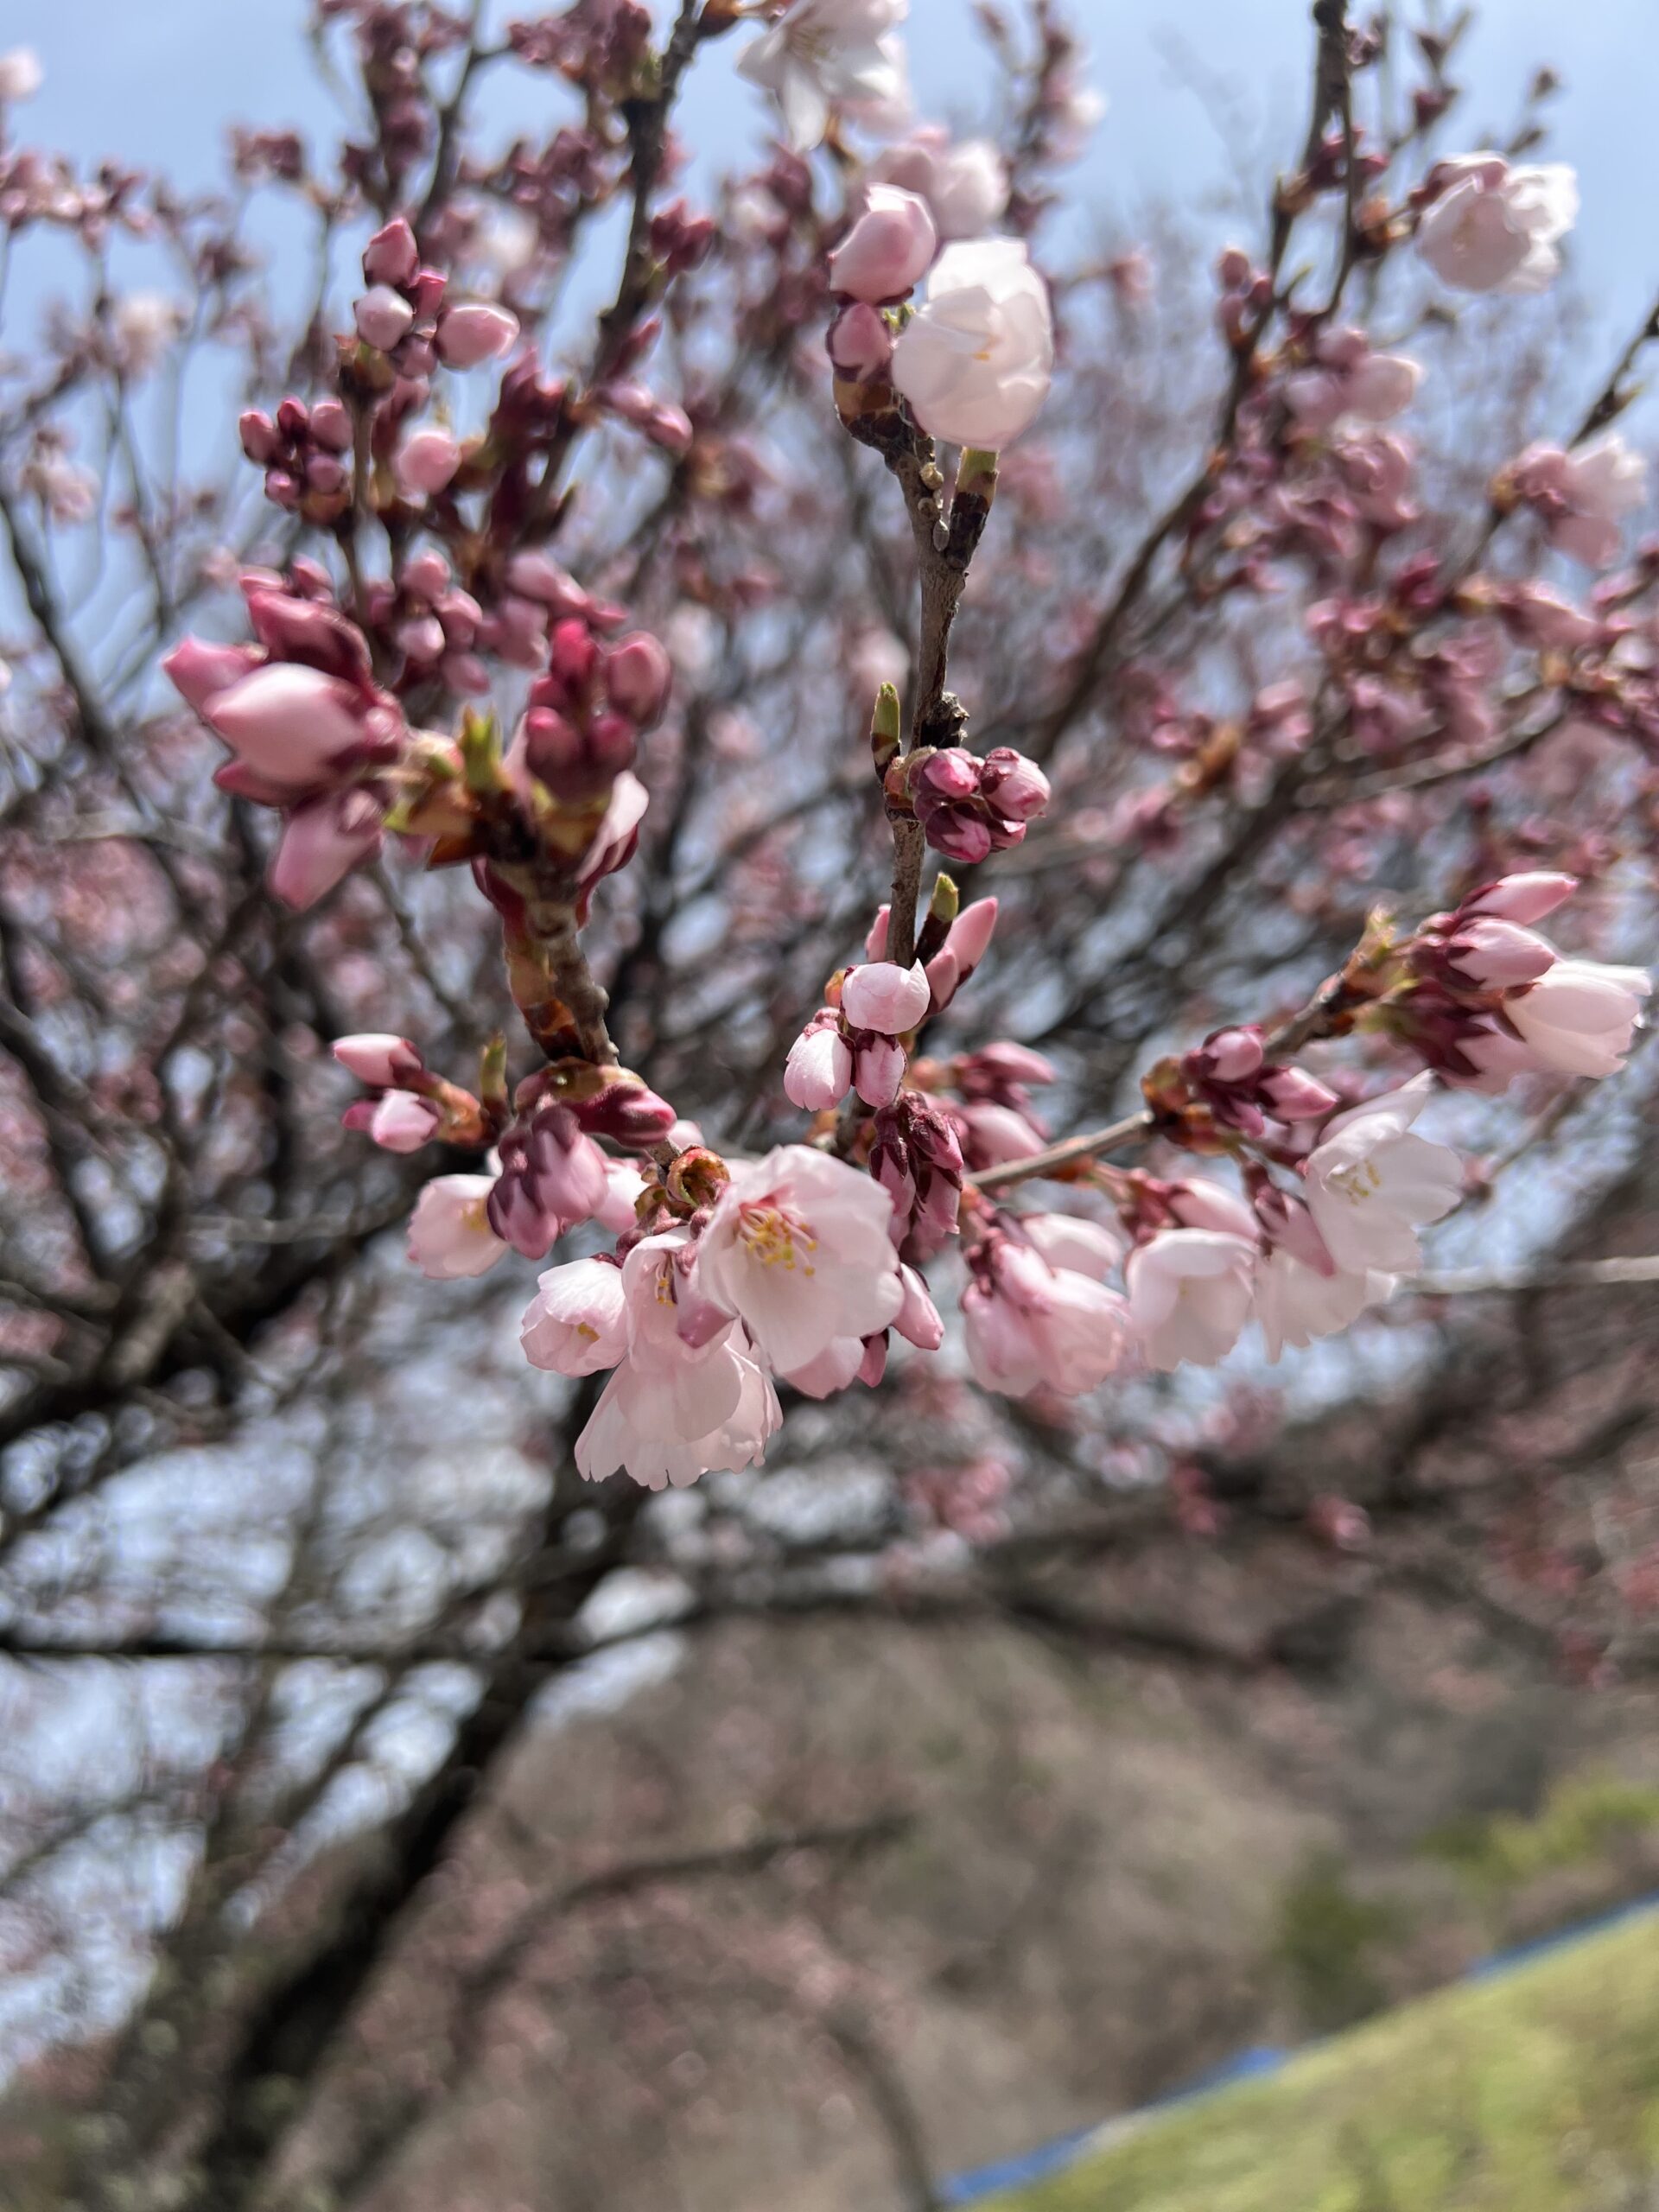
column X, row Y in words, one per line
column 966, row 943
column 975, row 360
column 449, row 1232
column 888, row 248
column 964, row 181
column 824, row 51
column 1370, row 1183
column 1528, row 897
column 1498, row 955
column 684, row 1400
column 1296, row 1303
column 577, row 1322
column 1030, row 1325
column 798, row 1248
column 323, row 840
column 1578, row 1017
column 1584, row 495
column 1071, row 1240
column 1494, row 228
column 877, row 1070
column 381, row 316
column 1190, row 1293
column 890, row 999
column 918, row 1318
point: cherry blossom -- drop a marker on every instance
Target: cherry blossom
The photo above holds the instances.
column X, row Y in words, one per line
column 1579, row 1017
column 1190, row 1293
column 449, row 1232
column 1370, row 1183
column 1496, row 229
column 821, row 51
column 1031, row 1324
column 577, row 1322
column 798, row 1248
column 976, row 360
column 964, row 181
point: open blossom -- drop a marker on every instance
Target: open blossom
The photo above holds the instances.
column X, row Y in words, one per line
column 799, row 1248
column 1190, row 1293
column 1370, row 1183
column 1347, row 379
column 1031, row 1324
column 1494, row 228
column 577, row 1321
column 686, row 1398
column 827, row 50
column 1577, row 1018
column 1296, row 1303
column 964, row 181
column 1584, row 495
column 888, row 249
column 449, row 1232
column 976, row 360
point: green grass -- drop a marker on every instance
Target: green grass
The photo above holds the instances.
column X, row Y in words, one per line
column 1537, row 2091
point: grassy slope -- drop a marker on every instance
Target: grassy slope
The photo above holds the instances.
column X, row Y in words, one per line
column 1537, row 2091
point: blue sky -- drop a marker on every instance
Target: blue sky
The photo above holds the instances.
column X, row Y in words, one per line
column 153, row 84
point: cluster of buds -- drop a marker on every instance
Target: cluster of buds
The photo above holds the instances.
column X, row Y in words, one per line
column 587, row 709
column 410, row 1106
column 996, row 1120
column 1227, row 1085
column 434, row 624
column 917, row 1160
column 403, row 314
column 1484, row 998
column 303, row 453
column 968, row 806
column 310, row 730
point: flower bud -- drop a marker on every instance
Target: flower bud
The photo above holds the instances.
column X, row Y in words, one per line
column 258, row 434
column 1015, row 786
column 322, row 842
column 860, row 345
column 638, row 675
column 474, row 331
column 199, row 671
column 1525, row 897
column 426, row 575
column 287, row 722
column 1498, row 955
column 425, row 463
column 888, row 249
column 1291, row 1094
column 380, row 1060
column 882, row 996
column 331, row 426
column 381, row 316
column 819, row 1073
column 391, row 256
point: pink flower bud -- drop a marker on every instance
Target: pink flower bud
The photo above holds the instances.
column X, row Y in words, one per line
column 881, row 996
column 306, row 630
column 260, row 440
column 378, row 1058
column 1015, row 786
column 537, row 576
column 670, row 427
column 421, row 638
column 426, row 462
column 878, row 1071
column 1208, row 1206
column 860, row 345
column 450, row 1233
column 950, row 774
column 1293, row 1095
column 572, row 657
column 638, row 674
column 322, row 842
column 918, row 1318
column 888, row 249
column 465, row 673
column 461, row 615
column 963, row 949
column 1231, row 1055
column 287, row 722
column 331, row 426
column 403, row 1122
column 391, row 256
column 198, row 671
column 1499, row 955
column 325, row 473
column 474, row 331
column 381, row 316
column 876, row 944
column 1525, row 897
column 957, row 834
column 426, row 575
column 819, row 1073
